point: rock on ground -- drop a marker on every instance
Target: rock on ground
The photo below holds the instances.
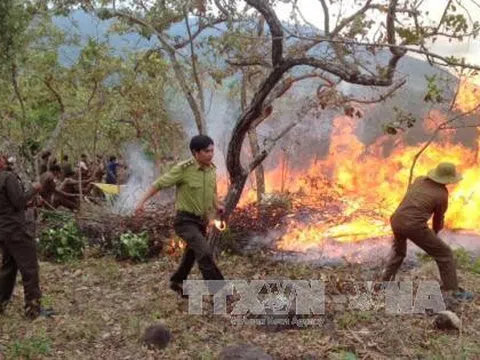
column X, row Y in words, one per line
column 156, row 336
column 447, row 320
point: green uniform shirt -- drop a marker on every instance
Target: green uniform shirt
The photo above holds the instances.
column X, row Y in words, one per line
column 196, row 188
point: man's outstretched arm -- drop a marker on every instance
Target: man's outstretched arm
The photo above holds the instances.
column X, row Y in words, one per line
column 173, row 177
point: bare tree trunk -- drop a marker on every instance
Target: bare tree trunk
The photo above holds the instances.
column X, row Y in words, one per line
column 200, row 113
column 79, row 186
column 259, row 172
column 418, row 154
column 233, row 197
column 23, row 119
column 254, row 147
column 18, row 94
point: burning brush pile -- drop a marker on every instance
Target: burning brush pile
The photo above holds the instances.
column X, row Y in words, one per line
column 103, row 230
column 338, row 206
column 102, row 227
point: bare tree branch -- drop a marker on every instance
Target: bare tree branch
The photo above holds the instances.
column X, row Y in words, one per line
column 286, row 84
column 201, row 98
column 349, row 19
column 177, row 68
column 326, row 17
column 462, row 127
column 308, row 105
column 19, row 97
column 93, row 93
column 252, row 113
column 55, row 93
column 397, row 53
column 248, row 62
column 443, row 17
column 297, row 9
column 64, row 116
column 381, row 98
column 222, row 8
column 343, row 73
column 275, row 28
column 446, row 62
column 201, row 27
column 443, row 126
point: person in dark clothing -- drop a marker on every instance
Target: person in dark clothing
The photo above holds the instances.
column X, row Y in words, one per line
column 67, row 167
column 427, row 196
column 112, row 168
column 48, row 181
column 44, row 162
column 99, row 170
column 17, row 245
column 196, row 202
column 66, row 194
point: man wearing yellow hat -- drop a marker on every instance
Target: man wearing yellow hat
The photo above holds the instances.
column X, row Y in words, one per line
column 427, row 196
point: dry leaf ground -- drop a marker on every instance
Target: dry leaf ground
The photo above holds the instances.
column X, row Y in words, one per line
column 105, row 305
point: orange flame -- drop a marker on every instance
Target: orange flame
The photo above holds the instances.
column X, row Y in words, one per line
column 369, row 186
column 468, row 97
column 175, row 246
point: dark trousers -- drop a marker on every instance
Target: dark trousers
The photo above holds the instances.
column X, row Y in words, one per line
column 70, row 203
column 20, row 254
column 193, row 230
column 428, row 241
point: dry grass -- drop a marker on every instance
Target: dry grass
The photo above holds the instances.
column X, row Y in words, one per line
column 104, row 306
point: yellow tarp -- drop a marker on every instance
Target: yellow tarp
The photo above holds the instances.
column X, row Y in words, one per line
column 108, row 188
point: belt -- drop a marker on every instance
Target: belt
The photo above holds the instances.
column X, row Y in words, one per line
column 191, row 216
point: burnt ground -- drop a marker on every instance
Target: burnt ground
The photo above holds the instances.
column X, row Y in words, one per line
column 104, row 306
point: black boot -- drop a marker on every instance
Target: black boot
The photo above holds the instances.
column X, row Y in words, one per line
column 178, row 289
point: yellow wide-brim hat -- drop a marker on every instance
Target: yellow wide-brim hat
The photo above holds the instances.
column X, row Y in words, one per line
column 445, row 173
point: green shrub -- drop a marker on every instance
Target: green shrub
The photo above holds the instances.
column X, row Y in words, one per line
column 30, row 347
column 132, row 246
column 463, row 258
column 476, row 266
column 62, row 244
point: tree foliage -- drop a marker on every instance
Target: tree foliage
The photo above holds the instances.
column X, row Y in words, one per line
column 110, row 98
column 360, row 43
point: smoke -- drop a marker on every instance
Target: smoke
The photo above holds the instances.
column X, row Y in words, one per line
column 141, row 172
column 373, row 252
column 222, row 111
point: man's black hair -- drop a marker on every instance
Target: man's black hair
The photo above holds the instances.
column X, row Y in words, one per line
column 200, row 142
column 83, row 156
column 113, row 158
column 55, row 168
column 65, row 157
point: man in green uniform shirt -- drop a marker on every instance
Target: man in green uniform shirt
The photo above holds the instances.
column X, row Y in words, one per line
column 196, row 201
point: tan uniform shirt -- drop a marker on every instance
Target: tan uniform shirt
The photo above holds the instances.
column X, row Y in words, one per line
column 424, row 198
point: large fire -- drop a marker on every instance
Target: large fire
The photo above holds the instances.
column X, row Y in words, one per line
column 369, row 186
